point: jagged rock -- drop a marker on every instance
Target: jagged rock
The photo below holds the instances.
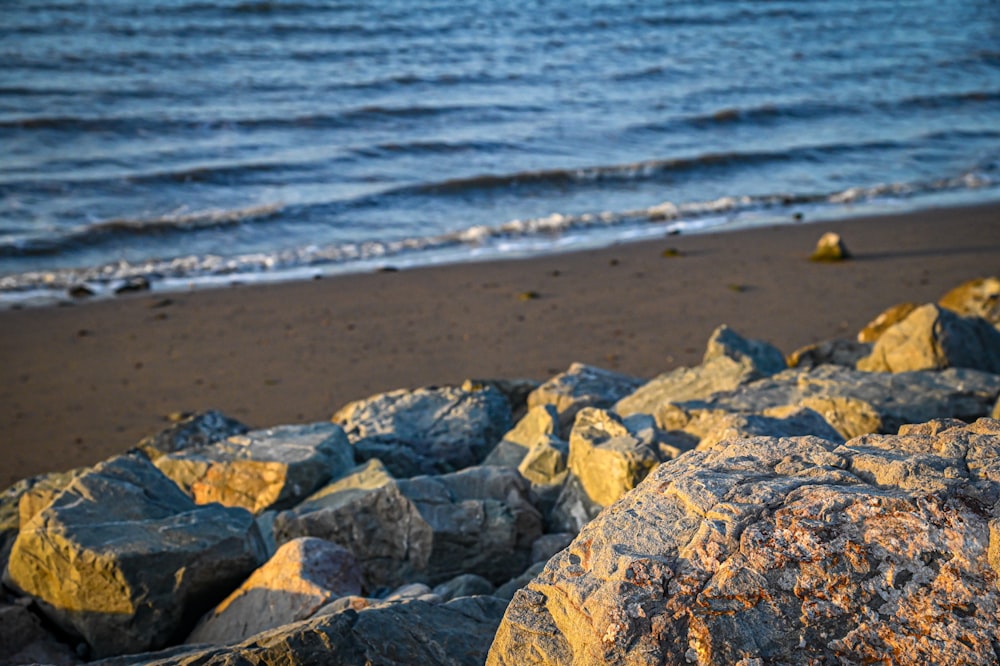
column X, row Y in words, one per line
column 303, row 575
column 606, row 458
column 412, row 591
column 125, row 560
column 466, row 585
column 515, row 390
column 572, row 509
column 538, row 422
column 830, row 247
column 976, row 298
column 424, row 529
column 730, row 360
column 548, row 545
column 23, row 500
column 457, row 633
column 263, row 469
column 783, row 551
column 796, row 424
column 582, row 386
column 860, row 397
column 192, row 432
column 508, row 589
column 427, row 431
column 874, row 329
column 545, row 463
column 833, row 352
column 932, row 338
column 23, row 640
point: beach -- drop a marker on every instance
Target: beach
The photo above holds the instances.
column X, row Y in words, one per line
column 87, row 380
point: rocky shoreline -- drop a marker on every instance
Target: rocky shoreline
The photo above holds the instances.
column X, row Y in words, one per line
column 841, row 510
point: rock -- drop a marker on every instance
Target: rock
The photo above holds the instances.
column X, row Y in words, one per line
column 799, row 423
column 427, row 431
column 582, row 386
column 23, row 500
column 538, row 423
column 730, row 360
column 133, row 284
column 192, row 432
column 931, row 338
column 606, row 458
column 425, row 529
column 263, row 469
column 414, row 591
column 830, row 247
column 874, row 329
column 975, row 298
column 848, row 399
column 303, row 575
column 572, row 509
column 996, row 410
column 23, row 640
column 508, row 589
column 466, row 585
column 545, row 463
column 834, row 352
column 782, row 551
column 548, row 545
column 143, row 560
column 515, row 390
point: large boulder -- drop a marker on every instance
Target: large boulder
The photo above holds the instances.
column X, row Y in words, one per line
column 975, row 298
column 262, row 469
column 457, row 633
column 730, row 360
column 125, row 560
column 190, row 432
column 303, row 575
column 539, row 423
column 425, row 529
column 429, row 430
column 850, row 399
column 932, row 338
column 783, row 551
column 886, row 319
column 582, row 386
column 23, row 500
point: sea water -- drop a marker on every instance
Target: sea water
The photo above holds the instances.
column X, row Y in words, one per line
column 196, row 141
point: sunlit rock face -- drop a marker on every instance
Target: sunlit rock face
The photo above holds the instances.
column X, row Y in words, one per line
column 786, row 550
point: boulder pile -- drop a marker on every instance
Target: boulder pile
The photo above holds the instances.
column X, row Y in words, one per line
column 838, row 505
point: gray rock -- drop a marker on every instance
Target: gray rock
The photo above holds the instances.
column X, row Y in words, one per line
column 192, row 432
column 833, row 352
column 508, row 589
column 783, row 551
column 538, row 422
column 582, row 386
column 466, row 585
column 457, row 633
column 424, row 529
column 515, row 390
column 763, row 357
column 262, row 469
column 302, row 576
column 931, row 338
column 799, row 423
column 573, row 508
column 849, row 399
column 40, row 491
column 429, row 430
column 144, row 561
column 23, row 640
column 548, row 545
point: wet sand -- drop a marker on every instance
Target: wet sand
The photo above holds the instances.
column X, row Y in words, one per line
column 85, row 381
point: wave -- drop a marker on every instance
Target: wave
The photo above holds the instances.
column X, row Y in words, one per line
column 669, row 216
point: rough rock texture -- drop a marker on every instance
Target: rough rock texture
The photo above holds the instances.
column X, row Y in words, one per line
column 515, row 390
column 874, row 329
column 192, row 432
column 582, row 386
column 456, row 633
column 932, row 337
column 545, row 462
column 43, row 490
column 124, row 559
column 538, row 423
column 783, row 551
column 23, row 640
column 426, row 529
column 977, row 298
column 796, row 424
column 849, row 399
column 730, row 360
column 429, row 430
column 830, row 247
column 263, row 469
column 834, row 352
column 303, row 575
column 466, row 585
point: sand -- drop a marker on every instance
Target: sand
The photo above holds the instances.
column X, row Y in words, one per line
column 83, row 382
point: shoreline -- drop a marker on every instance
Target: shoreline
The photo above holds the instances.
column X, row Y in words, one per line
column 85, row 382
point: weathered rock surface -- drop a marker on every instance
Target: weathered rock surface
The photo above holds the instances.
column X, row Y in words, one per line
column 783, row 551
column 429, row 430
column 23, row 640
column 931, row 338
column 975, row 298
column 303, row 575
column 582, row 386
column 728, row 426
column 124, row 559
column 730, row 360
column 538, row 423
column 833, row 352
column 192, row 432
column 830, row 247
column 425, row 529
column 545, row 462
column 262, row 469
column 35, row 493
column 466, row 585
column 874, row 329
column 849, row 399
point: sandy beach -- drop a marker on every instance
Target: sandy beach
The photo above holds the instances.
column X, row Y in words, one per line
column 84, row 381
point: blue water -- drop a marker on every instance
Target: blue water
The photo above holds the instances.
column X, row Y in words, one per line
column 192, row 141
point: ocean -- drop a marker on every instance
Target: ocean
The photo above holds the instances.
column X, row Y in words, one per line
column 197, row 143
